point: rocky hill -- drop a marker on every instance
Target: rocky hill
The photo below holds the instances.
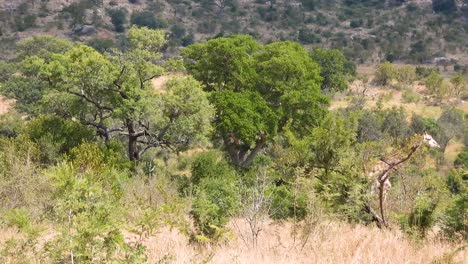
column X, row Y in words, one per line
column 417, row 31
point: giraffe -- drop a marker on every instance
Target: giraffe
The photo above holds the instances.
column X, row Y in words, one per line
column 381, row 172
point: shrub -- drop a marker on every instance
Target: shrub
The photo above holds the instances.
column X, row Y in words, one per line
column 25, row 22
column 56, row 136
column 21, row 184
column 454, row 221
column 211, row 165
column 101, row 44
column 434, row 82
column 421, row 217
column 355, row 23
column 420, row 124
column 148, row 19
column 286, row 204
column 410, row 96
column 88, row 217
column 369, row 128
column 406, row 74
column 216, row 197
column 385, row 73
column 461, row 160
column 423, row 72
column 118, row 19
column 444, row 6
column 215, row 201
column 457, row 181
column 308, row 37
column 395, row 124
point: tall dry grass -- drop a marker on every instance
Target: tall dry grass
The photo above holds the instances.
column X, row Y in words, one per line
column 328, row 242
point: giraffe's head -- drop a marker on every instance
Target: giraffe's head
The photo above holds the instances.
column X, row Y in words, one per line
column 430, row 141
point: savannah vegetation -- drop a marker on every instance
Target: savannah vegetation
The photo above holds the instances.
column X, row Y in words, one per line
column 367, row 31
column 106, row 152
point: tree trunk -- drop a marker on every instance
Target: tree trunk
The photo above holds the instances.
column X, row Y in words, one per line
column 133, row 153
column 242, row 156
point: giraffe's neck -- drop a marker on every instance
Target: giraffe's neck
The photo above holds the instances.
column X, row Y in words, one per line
column 385, row 164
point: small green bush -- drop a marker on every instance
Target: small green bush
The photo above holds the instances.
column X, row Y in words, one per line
column 422, row 216
column 462, row 160
column 410, row 96
column 285, row 204
column 118, row 19
column 215, row 201
column 212, row 165
column 454, row 220
column 148, row 19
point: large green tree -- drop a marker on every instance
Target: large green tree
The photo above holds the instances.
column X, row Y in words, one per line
column 335, row 69
column 257, row 90
column 113, row 94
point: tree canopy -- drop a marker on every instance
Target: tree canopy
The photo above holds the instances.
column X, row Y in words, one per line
column 113, row 94
column 257, row 90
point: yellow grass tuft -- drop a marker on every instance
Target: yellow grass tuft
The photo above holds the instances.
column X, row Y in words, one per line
column 328, row 242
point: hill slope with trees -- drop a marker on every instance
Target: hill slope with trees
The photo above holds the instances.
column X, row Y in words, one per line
column 365, row 31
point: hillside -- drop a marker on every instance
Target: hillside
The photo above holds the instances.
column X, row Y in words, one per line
column 366, row 31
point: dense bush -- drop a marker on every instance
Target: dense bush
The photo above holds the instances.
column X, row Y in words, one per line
column 215, row 201
column 462, row 160
column 216, row 195
column 147, row 19
column 286, row 204
column 386, row 72
column 56, row 136
column 118, row 19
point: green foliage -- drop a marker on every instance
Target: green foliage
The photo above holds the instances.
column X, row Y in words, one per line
column 422, row 217
column 434, row 82
column 410, row 96
column 444, row 6
column 395, row 124
column 210, row 164
column 147, row 19
column 43, row 47
column 423, row 72
column 454, row 222
column 280, row 84
column 118, row 19
column 332, row 156
column 462, row 160
column 112, row 93
column 101, row 44
column 223, row 63
column 88, row 215
column 244, row 115
column 308, row 37
column 459, row 84
column 25, row 22
column 21, row 184
column 76, row 10
column 56, row 137
column 286, row 204
column 216, row 194
column 386, row 72
column 452, row 123
column 457, row 182
column 215, row 201
column 406, row 74
column 22, row 248
column 334, row 68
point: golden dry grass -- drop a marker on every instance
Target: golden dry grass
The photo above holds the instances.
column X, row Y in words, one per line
column 5, row 105
column 328, row 242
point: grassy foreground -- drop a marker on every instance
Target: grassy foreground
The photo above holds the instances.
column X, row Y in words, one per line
column 325, row 242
